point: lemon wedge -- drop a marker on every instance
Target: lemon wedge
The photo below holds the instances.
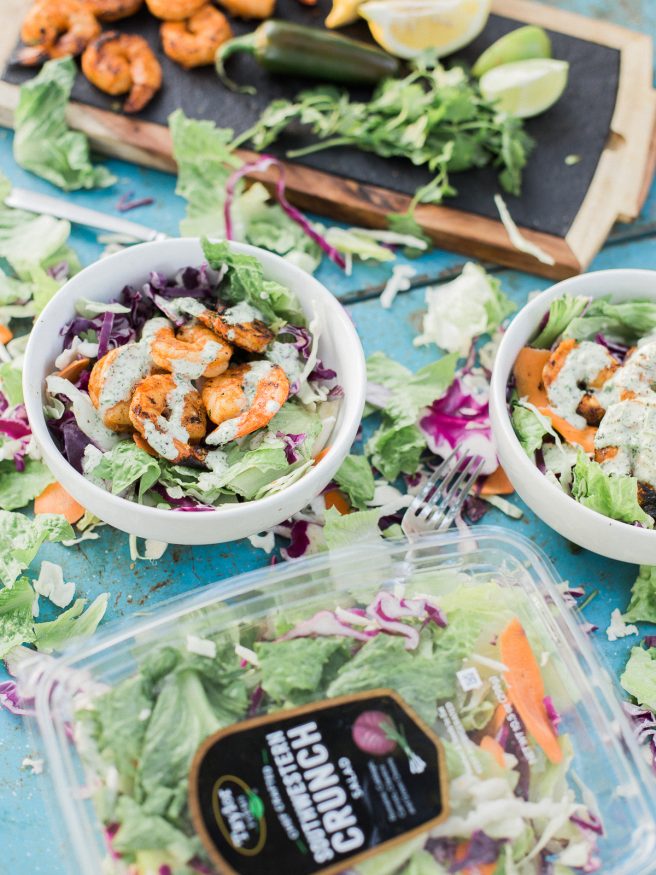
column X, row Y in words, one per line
column 526, row 88
column 343, row 12
column 406, row 28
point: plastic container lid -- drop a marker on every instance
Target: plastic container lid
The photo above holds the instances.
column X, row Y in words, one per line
column 543, row 772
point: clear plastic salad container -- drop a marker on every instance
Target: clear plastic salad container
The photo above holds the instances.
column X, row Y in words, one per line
column 540, row 769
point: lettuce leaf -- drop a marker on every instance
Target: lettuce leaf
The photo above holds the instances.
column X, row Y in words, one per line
column 21, row 537
column 356, row 479
column 529, row 428
column 16, row 622
column 125, row 465
column 71, row 625
column 639, row 676
column 396, row 449
column 11, row 383
column 626, row 321
column 407, row 393
column 249, row 471
column 562, row 312
column 642, row 606
column 18, row 488
column 296, row 671
column 613, row 496
column 460, row 310
column 245, row 282
column 140, row 829
column 43, row 142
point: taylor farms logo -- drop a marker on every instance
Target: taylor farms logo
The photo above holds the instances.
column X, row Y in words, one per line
column 239, row 814
column 318, row 788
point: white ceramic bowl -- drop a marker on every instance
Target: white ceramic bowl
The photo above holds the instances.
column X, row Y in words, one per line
column 574, row 521
column 339, row 347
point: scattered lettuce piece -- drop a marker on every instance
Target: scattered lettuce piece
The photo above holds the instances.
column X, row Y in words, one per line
column 21, row 537
column 529, row 428
column 356, row 479
column 408, row 392
column 613, row 496
column 72, row 624
column 245, row 282
column 396, row 449
column 18, row 488
column 639, row 676
column 16, row 622
column 562, row 312
column 462, row 309
column 125, row 465
column 343, row 530
column 43, row 142
column 642, row 606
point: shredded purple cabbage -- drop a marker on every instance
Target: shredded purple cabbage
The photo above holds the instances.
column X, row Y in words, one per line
column 481, row 850
column 299, row 540
column 259, row 166
column 70, row 439
column 303, row 342
column 321, row 373
column 291, row 442
column 105, row 333
column 649, row 641
column 616, row 349
column 335, row 393
column 59, row 271
column 128, row 202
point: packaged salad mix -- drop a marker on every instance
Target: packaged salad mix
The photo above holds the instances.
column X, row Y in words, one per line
column 382, row 710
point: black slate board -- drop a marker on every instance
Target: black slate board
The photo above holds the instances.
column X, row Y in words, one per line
column 552, row 191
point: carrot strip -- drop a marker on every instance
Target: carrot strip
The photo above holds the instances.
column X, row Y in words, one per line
column 6, row 333
column 527, row 371
column 526, row 688
column 497, row 721
column 497, row 483
column 321, row 455
column 73, row 370
column 480, row 869
column 583, row 437
column 55, row 499
column 335, row 498
column 491, row 745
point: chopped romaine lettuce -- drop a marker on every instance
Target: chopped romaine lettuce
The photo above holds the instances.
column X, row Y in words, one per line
column 21, row 537
column 639, row 676
column 612, row 495
column 124, row 466
column 19, row 487
column 72, row 624
column 562, row 312
column 356, row 479
column 43, row 142
column 642, row 606
column 530, row 427
column 625, row 321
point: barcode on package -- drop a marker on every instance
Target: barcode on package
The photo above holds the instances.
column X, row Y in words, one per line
column 469, row 679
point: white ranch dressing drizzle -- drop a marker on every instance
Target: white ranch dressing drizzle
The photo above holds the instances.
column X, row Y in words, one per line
column 241, row 313
column 120, row 378
column 162, row 435
column 285, row 355
column 581, row 366
column 637, row 374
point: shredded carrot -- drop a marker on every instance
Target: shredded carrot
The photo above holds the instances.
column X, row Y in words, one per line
column 497, row 721
column 491, row 745
column 497, row 483
column 335, row 498
column 143, row 444
column 55, row 499
column 321, row 455
column 73, row 370
column 6, row 333
column 526, row 688
column 527, row 371
column 480, row 868
column 584, row 437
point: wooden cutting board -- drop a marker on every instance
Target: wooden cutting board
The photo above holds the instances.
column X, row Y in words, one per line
column 606, row 117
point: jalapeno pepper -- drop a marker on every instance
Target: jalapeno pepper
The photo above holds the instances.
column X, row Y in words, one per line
column 292, row 49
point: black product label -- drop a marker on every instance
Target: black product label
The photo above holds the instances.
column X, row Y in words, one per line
column 317, row 788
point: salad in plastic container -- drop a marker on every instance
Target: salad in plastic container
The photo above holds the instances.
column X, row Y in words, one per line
column 486, row 698
column 583, row 403
column 195, row 390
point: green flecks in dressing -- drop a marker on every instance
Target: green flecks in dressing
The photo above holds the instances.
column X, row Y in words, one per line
column 131, row 364
column 163, row 434
column 241, row 314
column 581, row 367
column 227, row 431
column 286, row 356
column 637, row 375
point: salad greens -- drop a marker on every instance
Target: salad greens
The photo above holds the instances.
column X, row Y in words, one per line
column 44, row 143
column 581, row 403
column 137, row 737
column 639, row 677
column 642, row 606
column 433, row 117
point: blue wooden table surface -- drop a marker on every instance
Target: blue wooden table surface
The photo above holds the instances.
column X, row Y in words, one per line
column 33, row 840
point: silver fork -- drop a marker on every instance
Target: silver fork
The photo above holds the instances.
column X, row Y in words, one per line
column 434, row 508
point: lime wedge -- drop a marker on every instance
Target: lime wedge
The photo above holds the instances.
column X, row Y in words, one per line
column 518, row 45
column 526, row 88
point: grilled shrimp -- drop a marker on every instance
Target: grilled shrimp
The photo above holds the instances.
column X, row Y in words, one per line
column 54, row 28
column 572, row 370
column 246, row 397
column 249, row 8
column 118, row 63
column 240, row 325
column 113, row 10
column 174, row 10
column 169, row 415
column 193, row 42
column 193, row 347
column 113, row 380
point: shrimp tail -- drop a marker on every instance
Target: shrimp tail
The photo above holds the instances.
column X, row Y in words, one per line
column 138, row 98
column 30, row 56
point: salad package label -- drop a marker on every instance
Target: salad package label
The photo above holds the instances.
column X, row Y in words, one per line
column 317, row 788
